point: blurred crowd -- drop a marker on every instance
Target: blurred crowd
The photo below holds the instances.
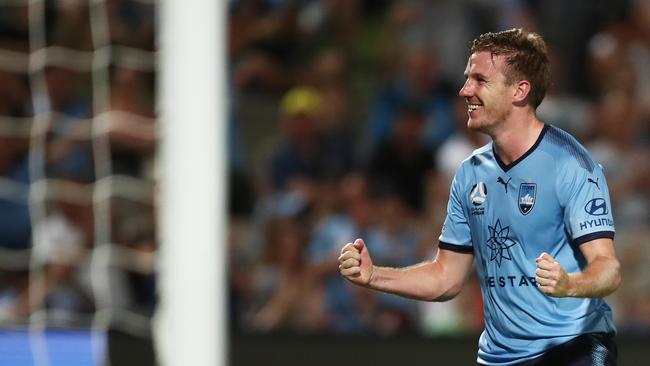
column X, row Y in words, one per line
column 77, row 143
column 344, row 122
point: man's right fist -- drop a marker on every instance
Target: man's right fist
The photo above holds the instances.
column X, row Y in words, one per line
column 355, row 263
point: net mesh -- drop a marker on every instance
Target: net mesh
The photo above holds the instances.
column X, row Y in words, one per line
column 77, row 137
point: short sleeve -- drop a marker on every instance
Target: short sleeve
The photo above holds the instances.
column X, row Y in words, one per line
column 588, row 209
column 455, row 234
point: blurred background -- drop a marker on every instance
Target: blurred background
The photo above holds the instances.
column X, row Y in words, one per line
column 77, row 148
column 343, row 122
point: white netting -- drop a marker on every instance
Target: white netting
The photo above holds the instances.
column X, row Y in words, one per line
column 78, row 132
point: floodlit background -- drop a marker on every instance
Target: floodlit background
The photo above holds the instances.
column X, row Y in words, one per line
column 343, row 122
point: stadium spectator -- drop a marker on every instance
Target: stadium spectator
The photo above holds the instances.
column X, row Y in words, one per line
column 14, row 28
column 335, row 135
column 419, row 81
column 568, row 110
column 69, row 151
column 316, row 146
column 131, row 23
column 398, row 244
column 15, row 222
column 15, row 225
column 619, row 57
column 263, row 41
column 68, row 25
column 402, row 163
column 132, row 270
column 131, row 128
column 346, row 309
column 15, row 98
column 284, row 280
column 61, row 242
column 298, row 158
column 620, row 147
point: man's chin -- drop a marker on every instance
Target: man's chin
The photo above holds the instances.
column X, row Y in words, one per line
column 473, row 125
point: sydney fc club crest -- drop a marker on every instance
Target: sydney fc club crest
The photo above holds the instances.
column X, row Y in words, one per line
column 527, row 195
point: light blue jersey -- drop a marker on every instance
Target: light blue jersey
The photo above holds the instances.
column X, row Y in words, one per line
column 553, row 199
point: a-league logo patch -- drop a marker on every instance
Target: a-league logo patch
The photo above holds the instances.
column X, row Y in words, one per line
column 478, row 193
column 527, row 195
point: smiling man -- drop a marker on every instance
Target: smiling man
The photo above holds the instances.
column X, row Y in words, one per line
column 525, row 208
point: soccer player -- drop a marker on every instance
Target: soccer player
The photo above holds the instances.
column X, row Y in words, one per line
column 532, row 208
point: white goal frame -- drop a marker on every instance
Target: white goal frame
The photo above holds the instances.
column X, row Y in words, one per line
column 190, row 324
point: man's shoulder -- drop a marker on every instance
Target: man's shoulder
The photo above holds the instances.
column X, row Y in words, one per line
column 469, row 167
column 567, row 151
column 478, row 157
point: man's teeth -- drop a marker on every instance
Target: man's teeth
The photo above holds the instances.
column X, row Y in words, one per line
column 472, row 107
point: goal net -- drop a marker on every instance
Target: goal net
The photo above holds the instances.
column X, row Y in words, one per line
column 79, row 138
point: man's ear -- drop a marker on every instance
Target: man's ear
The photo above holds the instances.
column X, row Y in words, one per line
column 522, row 90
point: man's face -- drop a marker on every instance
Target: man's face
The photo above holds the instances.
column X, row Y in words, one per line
column 488, row 98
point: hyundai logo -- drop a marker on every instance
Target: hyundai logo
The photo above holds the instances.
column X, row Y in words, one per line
column 597, row 207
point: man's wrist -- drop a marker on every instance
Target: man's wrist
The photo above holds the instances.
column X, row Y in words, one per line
column 572, row 284
column 371, row 278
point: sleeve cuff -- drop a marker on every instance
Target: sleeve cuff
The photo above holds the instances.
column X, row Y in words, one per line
column 593, row 236
column 456, row 247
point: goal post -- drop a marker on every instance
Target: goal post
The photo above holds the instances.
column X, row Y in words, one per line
column 190, row 323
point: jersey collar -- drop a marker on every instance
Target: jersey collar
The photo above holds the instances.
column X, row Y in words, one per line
column 506, row 167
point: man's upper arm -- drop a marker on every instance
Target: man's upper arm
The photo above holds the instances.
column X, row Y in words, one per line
column 455, row 266
column 602, row 247
column 602, row 275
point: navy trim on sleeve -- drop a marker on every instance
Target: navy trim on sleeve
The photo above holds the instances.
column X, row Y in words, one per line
column 593, row 236
column 455, row 247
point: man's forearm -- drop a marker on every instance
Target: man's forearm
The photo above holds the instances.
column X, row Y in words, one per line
column 599, row 279
column 425, row 281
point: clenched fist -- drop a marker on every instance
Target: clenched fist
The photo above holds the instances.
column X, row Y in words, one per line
column 355, row 263
column 551, row 278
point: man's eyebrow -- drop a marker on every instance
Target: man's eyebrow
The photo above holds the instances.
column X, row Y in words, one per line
column 476, row 75
column 481, row 76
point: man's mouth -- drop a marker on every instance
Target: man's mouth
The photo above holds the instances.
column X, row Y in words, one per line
column 473, row 107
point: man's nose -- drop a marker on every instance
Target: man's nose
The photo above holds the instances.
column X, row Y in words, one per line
column 465, row 91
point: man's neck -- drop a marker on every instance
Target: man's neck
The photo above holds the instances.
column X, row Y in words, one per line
column 516, row 138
